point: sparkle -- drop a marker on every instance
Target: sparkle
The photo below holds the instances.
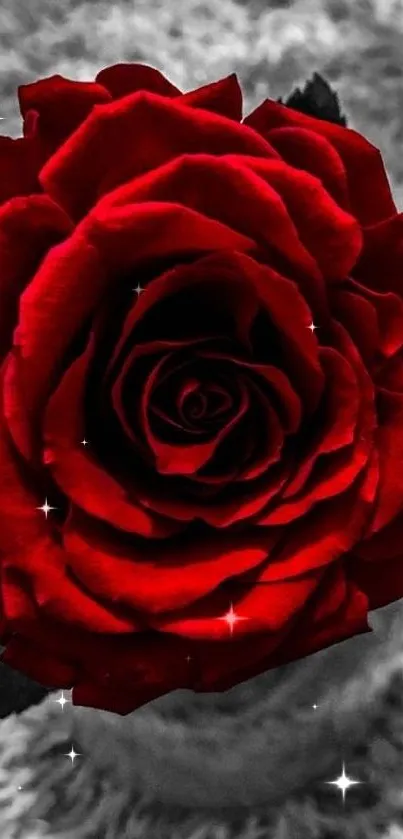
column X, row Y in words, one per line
column 138, row 289
column 312, row 327
column 62, row 701
column 343, row 782
column 84, row 442
column 188, row 658
column 72, row 754
column 314, row 707
column 46, row 508
column 231, row 618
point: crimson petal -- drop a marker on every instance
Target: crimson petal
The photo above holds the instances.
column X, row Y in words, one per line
column 81, row 263
column 222, row 97
column 75, row 469
column 61, row 105
column 370, row 194
column 156, row 127
column 305, row 149
column 122, row 79
column 157, row 579
column 212, row 186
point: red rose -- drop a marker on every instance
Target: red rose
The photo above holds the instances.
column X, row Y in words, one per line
column 202, row 330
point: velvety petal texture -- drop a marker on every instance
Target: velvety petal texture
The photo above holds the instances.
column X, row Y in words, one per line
column 201, row 386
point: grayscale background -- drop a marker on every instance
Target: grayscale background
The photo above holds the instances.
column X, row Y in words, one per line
column 178, row 768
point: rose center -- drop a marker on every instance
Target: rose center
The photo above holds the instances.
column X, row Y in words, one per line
column 200, row 401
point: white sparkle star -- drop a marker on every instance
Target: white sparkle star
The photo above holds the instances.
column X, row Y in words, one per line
column 84, row 442
column 343, row 782
column 314, row 707
column 312, row 327
column 231, row 618
column 72, row 754
column 138, row 289
column 46, row 508
column 62, row 701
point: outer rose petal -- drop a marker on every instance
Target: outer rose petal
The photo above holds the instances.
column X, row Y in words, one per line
column 293, row 204
column 33, row 566
column 332, row 235
column 61, row 105
column 122, row 79
column 158, row 577
column 19, row 167
column 28, row 228
column 159, row 129
column 223, row 97
column 308, row 150
column 382, row 580
column 359, row 308
column 337, row 610
column 389, row 440
column 380, row 264
column 278, row 591
column 370, row 194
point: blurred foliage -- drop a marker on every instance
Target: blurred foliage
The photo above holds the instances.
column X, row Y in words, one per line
column 271, row 44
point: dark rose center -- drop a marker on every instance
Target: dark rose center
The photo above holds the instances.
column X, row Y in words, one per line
column 200, row 401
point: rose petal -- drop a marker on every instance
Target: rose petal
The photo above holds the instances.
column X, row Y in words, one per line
column 266, row 607
column 32, row 559
column 62, row 105
column 335, row 611
column 57, row 289
column 28, row 228
column 380, row 263
column 157, row 128
column 171, row 459
column 157, row 578
column 339, row 612
column 212, row 186
column 129, row 236
column 382, row 580
column 122, row 79
column 223, row 97
column 308, row 150
column 42, row 667
column 75, row 469
column 328, row 232
column 328, row 532
column 338, row 426
column 389, row 309
column 359, row 318
column 177, row 503
column 370, row 194
column 389, row 439
column 52, row 311
column 339, row 472
column 19, row 167
column 240, row 275
column 287, row 402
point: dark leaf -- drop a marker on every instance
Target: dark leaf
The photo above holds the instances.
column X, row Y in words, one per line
column 17, row 692
column 317, row 99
